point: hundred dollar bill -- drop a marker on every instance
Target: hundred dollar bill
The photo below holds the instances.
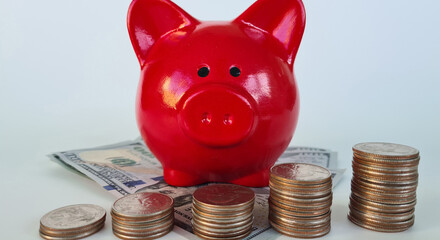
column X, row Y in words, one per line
column 129, row 167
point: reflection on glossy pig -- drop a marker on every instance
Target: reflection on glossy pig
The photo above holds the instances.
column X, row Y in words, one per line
column 217, row 101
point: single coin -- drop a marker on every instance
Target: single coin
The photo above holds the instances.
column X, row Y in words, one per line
column 72, row 237
column 72, row 233
column 377, row 228
column 294, row 201
column 300, row 222
column 380, row 195
column 222, row 225
column 399, row 188
column 220, row 237
column 223, row 195
column 143, row 229
column 384, row 169
column 299, row 186
column 209, row 218
column 73, row 217
column 300, row 194
column 382, row 181
column 222, row 211
column 142, row 204
column 290, row 233
column 382, row 207
column 143, row 232
column 215, row 230
column 144, row 220
column 292, row 209
column 385, row 150
column 151, row 236
column 300, row 172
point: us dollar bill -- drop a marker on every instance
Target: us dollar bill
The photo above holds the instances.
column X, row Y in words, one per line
column 130, row 167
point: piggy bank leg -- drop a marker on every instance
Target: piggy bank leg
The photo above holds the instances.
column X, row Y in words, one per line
column 259, row 179
column 181, row 179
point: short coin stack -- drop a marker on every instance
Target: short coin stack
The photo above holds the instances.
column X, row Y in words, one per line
column 383, row 187
column 143, row 216
column 300, row 200
column 72, row 222
column 223, row 211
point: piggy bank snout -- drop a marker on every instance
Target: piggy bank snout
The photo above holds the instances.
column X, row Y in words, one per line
column 216, row 116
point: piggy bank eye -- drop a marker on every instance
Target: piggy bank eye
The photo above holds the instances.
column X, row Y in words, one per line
column 203, row 72
column 235, row 71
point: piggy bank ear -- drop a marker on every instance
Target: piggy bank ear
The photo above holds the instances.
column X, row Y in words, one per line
column 149, row 20
column 283, row 19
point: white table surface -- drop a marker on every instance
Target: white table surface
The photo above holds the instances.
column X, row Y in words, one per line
column 366, row 70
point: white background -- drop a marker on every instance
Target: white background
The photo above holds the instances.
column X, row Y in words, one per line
column 366, row 70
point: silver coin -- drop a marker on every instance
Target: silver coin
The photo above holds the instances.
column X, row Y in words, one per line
column 385, row 149
column 300, row 172
column 73, row 217
column 142, row 204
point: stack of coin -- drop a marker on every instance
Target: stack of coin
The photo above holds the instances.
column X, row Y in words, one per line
column 383, row 187
column 223, row 211
column 72, row 222
column 300, row 200
column 143, row 216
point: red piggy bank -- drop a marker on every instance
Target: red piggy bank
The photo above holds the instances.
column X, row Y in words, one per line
column 217, row 101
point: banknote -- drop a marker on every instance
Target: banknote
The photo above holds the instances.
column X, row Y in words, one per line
column 129, row 167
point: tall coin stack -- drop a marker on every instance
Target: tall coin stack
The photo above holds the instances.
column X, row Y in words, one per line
column 300, row 200
column 383, row 187
column 223, row 211
column 142, row 216
column 72, row 222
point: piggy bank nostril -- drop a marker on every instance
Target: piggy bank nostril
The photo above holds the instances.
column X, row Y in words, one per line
column 227, row 119
column 206, row 118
